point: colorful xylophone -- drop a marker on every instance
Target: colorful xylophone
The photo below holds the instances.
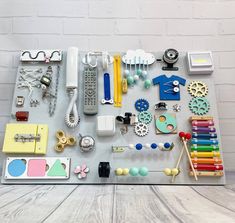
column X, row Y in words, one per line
column 205, row 154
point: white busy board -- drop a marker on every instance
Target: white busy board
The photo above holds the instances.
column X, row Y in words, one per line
column 155, row 160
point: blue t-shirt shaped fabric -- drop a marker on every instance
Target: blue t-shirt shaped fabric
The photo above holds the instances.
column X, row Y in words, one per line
column 168, row 87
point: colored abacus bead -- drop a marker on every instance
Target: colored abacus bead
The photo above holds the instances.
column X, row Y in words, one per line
column 153, row 145
column 131, row 146
column 160, row 145
column 134, row 171
column 125, row 171
column 138, row 146
column 119, row 171
column 174, row 171
column 167, row 145
column 167, row 171
column 147, row 146
column 143, row 171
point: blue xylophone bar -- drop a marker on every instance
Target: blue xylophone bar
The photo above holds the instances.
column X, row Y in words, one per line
column 204, row 135
column 205, row 142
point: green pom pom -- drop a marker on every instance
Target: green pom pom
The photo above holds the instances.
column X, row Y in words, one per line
column 143, row 171
column 147, row 83
column 139, row 72
column 134, row 171
column 130, row 80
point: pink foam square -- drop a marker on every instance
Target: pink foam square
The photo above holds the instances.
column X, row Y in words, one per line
column 36, row 168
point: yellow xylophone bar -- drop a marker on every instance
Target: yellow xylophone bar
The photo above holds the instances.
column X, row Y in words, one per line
column 204, row 154
column 202, row 118
column 207, row 173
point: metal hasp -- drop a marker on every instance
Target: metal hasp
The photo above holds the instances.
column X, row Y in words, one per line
column 27, row 138
column 107, row 91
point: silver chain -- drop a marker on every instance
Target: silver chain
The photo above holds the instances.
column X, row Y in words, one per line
column 53, row 100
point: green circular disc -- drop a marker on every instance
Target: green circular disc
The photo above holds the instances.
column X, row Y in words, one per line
column 166, row 123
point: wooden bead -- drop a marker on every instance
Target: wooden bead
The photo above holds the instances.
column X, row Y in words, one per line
column 125, row 171
column 119, row 171
column 136, row 77
column 134, row 171
column 147, row 84
column 160, row 145
column 143, row 171
column 147, row 146
column 130, row 80
column 174, row 171
column 167, row 171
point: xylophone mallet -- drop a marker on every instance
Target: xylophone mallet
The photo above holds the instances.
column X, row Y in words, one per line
column 184, row 137
column 182, row 134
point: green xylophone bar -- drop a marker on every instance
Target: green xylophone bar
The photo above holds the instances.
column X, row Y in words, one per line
column 204, row 148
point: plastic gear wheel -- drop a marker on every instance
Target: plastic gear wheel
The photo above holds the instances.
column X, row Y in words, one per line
column 145, row 117
column 198, row 89
column 199, row 106
column 141, row 129
column 141, row 105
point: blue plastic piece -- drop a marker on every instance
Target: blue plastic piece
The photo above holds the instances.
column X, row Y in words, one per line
column 16, row 168
column 138, row 146
column 141, row 105
column 107, row 91
column 154, row 146
column 167, row 145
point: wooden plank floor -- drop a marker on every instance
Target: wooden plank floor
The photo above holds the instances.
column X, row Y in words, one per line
column 109, row 203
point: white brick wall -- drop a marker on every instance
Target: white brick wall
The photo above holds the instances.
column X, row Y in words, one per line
column 37, row 25
column 113, row 9
column 120, row 25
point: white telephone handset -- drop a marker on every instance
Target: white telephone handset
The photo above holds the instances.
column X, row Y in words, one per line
column 72, row 118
